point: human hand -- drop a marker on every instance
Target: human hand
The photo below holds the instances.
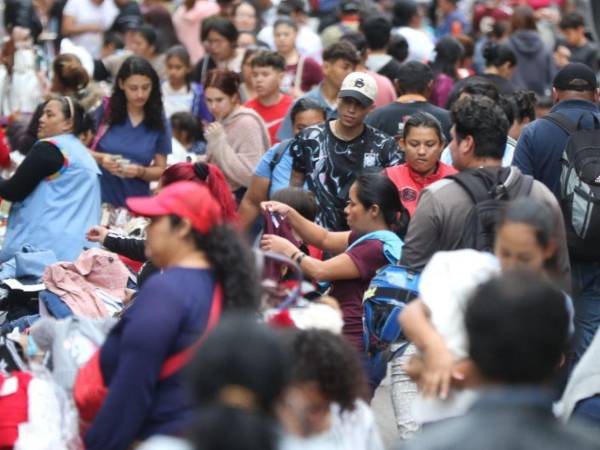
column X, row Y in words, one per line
column 277, row 244
column 97, row 234
column 213, row 129
column 277, row 207
column 111, row 165
column 438, row 372
column 132, row 171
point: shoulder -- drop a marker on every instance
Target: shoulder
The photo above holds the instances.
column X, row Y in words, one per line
column 247, row 117
column 378, row 135
column 311, row 63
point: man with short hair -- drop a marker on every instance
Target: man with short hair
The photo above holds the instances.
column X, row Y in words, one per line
column 339, row 60
column 268, row 69
column 517, row 328
column 479, row 137
column 377, row 31
column 413, row 82
column 572, row 26
column 407, row 23
column 539, row 152
column 331, row 155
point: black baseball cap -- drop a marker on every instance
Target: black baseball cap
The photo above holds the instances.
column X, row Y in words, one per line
column 575, row 77
column 349, row 6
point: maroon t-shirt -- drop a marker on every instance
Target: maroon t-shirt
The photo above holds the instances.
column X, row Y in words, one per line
column 368, row 257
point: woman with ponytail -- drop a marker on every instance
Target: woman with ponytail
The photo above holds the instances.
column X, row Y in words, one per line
column 371, row 212
column 205, row 268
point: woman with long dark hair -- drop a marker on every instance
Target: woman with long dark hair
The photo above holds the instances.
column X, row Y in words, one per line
column 448, row 54
column 359, row 253
column 133, row 137
column 205, row 267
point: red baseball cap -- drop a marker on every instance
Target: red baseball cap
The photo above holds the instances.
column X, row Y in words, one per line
column 185, row 199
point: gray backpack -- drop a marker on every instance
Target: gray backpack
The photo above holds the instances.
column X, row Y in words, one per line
column 579, row 194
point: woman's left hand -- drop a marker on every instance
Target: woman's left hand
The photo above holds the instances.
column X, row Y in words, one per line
column 131, row 171
column 213, row 129
column 277, row 244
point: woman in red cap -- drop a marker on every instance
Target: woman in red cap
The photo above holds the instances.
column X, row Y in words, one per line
column 204, row 265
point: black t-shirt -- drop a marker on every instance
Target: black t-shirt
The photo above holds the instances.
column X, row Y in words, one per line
column 587, row 54
column 331, row 165
column 390, row 118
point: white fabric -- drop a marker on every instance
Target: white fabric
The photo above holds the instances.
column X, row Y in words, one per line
column 420, row 45
column 165, row 443
column 308, row 42
column 176, row 100
column 85, row 12
column 179, row 153
column 377, row 61
column 446, row 284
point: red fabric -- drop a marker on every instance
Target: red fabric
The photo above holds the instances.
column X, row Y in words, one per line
column 410, row 183
column 89, row 390
column 273, row 114
column 281, row 320
column 133, row 265
column 14, row 409
column 4, row 150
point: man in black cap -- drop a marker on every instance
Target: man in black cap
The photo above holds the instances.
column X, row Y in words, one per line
column 539, row 153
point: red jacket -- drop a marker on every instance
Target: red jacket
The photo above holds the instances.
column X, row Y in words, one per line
column 410, row 183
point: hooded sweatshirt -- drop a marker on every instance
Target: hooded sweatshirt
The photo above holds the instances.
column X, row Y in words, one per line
column 535, row 67
column 236, row 149
column 188, row 23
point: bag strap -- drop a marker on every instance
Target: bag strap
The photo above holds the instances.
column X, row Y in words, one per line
column 278, row 155
column 178, row 360
column 103, row 126
column 526, row 186
column 562, row 122
column 299, row 73
column 473, row 185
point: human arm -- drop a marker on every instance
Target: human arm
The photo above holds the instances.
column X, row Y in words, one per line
column 309, row 232
column 131, row 247
column 43, row 160
column 249, row 210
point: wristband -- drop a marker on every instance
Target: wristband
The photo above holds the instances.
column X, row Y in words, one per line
column 294, row 255
column 300, row 257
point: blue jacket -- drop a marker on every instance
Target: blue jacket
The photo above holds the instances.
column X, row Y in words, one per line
column 541, row 144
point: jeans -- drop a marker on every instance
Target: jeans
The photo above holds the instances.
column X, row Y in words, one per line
column 586, row 299
column 404, row 392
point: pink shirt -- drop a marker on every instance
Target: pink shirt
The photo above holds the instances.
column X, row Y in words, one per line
column 386, row 93
column 188, row 25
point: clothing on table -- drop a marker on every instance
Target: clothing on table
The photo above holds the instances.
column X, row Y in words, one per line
column 88, row 12
column 287, row 129
column 139, row 144
column 330, row 166
column 170, row 313
column 368, row 256
column 311, row 74
column 391, row 118
column 238, row 148
column 188, row 26
column 53, row 205
column 132, row 248
column 272, row 115
column 77, row 283
column 410, row 183
column 440, row 217
column 535, row 67
column 440, row 91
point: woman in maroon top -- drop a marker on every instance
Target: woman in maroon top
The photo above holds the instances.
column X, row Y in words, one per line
column 356, row 254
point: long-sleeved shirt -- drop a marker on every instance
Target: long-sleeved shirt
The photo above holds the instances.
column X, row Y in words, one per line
column 168, row 316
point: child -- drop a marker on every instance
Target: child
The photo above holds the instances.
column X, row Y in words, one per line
column 179, row 94
column 268, row 69
column 188, row 138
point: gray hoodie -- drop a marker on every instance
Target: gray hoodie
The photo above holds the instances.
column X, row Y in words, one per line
column 535, row 68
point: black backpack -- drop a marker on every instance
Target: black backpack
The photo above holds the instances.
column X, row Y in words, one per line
column 579, row 195
column 489, row 194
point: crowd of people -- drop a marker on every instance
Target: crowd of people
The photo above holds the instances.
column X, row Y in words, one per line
column 224, row 223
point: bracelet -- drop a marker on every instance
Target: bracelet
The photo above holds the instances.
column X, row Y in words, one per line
column 293, row 257
column 300, row 258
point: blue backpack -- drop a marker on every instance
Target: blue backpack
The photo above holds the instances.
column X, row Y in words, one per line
column 390, row 290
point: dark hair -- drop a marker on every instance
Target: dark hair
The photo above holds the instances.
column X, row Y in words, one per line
column 448, row 52
column 398, row 48
column 509, row 106
column 69, row 72
column 341, row 50
column 232, row 263
column 330, row 361
column 285, row 20
column 240, row 354
column 179, row 52
column 480, row 86
column 295, row 5
column 358, row 40
column 497, row 55
column 149, row 34
column 525, row 102
column 71, row 109
column 468, row 46
column 302, row 201
column 256, row 13
column 305, row 104
column 538, row 215
column 113, row 38
column 226, row 81
column 185, row 121
column 423, row 119
column 88, row 123
column 153, row 109
column 249, row 53
column 377, row 30
column 523, row 18
column 220, row 25
column 481, row 118
column 517, row 326
column 414, row 78
column 376, row 189
column 266, row 58
column 404, row 11
column 571, row 20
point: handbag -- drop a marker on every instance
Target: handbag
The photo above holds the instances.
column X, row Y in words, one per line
column 90, row 390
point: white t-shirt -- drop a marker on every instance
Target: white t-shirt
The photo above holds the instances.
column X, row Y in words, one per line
column 420, row 45
column 85, row 12
column 308, row 42
column 175, row 101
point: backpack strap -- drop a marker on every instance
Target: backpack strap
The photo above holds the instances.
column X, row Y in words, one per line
column 299, row 73
column 178, row 360
column 474, row 186
column 526, row 186
column 278, row 155
column 562, row 122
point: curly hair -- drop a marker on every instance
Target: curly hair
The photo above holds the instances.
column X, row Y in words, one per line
column 330, row 361
column 153, row 109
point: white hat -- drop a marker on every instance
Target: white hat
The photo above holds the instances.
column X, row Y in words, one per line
column 360, row 86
